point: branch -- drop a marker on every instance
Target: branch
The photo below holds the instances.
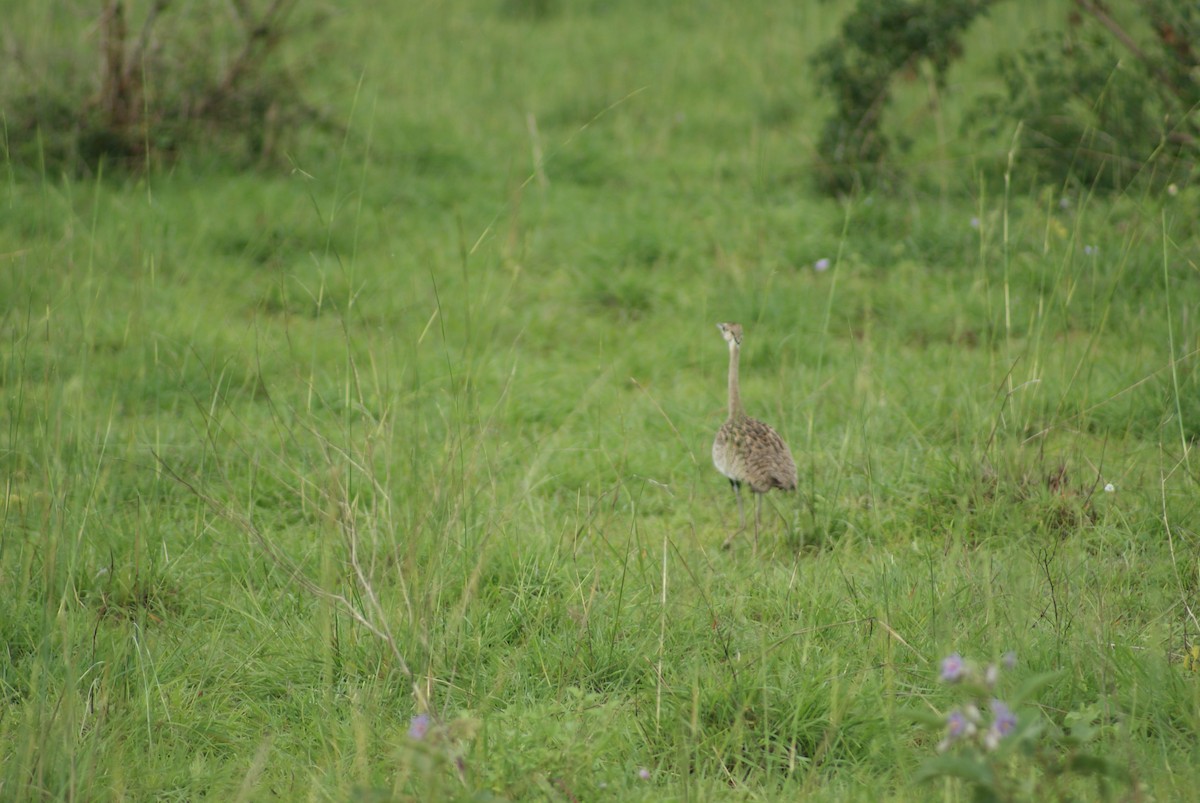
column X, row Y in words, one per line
column 1122, row 36
column 139, row 53
column 114, row 89
column 261, row 37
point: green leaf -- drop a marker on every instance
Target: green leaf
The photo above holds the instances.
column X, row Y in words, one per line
column 966, row 768
column 925, row 717
column 1035, row 684
column 1080, row 725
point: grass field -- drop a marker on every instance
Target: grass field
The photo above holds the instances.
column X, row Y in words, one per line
column 422, row 425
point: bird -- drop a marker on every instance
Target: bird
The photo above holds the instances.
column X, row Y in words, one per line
column 746, row 450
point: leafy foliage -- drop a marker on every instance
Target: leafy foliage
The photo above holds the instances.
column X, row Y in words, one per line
column 989, row 745
column 172, row 79
column 1099, row 106
column 1099, row 103
column 878, row 40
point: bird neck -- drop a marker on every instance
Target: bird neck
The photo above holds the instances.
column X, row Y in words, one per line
column 735, row 397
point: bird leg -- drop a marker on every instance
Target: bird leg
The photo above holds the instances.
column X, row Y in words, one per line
column 757, row 516
column 737, row 490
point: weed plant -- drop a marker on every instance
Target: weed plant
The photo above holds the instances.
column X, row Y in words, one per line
column 388, row 477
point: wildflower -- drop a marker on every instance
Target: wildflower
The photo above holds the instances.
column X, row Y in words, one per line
column 991, row 740
column 821, row 264
column 1009, row 660
column 644, row 774
column 1003, row 723
column 1091, row 250
column 1109, row 488
column 958, row 726
column 953, row 668
column 974, row 222
column 1005, row 719
column 418, row 727
column 991, row 675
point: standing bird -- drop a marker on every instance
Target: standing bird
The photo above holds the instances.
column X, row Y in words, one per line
column 747, row 450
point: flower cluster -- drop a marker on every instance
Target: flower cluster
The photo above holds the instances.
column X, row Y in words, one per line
column 968, row 723
column 1002, row 756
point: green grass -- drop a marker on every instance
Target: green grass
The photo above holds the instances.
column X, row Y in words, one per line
column 501, row 393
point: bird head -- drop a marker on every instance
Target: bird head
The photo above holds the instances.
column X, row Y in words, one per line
column 732, row 332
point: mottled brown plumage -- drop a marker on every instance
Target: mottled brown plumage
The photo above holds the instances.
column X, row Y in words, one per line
column 746, row 450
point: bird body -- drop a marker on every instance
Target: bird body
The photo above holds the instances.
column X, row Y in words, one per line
column 746, row 450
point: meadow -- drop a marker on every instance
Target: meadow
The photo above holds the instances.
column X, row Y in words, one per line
column 419, row 424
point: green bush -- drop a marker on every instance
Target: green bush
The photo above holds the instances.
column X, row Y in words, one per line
column 1101, row 103
column 878, row 40
column 172, row 79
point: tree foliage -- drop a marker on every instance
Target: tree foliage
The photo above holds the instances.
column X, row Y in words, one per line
column 1104, row 103
column 879, row 39
column 1101, row 102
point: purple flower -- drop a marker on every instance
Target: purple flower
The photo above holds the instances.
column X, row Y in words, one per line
column 953, row 668
column 1002, row 724
column 1005, row 720
column 418, row 727
column 974, row 222
column 644, row 774
column 958, row 726
column 821, row 264
column 1009, row 660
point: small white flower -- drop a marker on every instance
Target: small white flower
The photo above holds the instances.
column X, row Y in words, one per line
column 991, row 740
column 1109, row 488
column 821, row 264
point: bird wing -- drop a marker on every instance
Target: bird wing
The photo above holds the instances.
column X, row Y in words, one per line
column 768, row 461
